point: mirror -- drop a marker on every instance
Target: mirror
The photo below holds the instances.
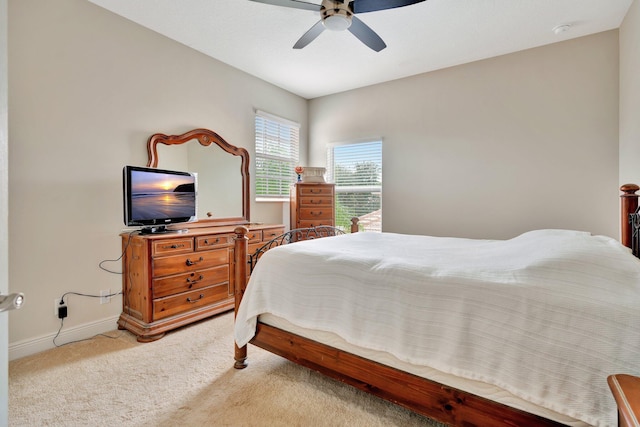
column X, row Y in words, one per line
column 223, row 172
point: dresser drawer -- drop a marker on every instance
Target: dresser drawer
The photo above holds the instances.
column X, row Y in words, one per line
column 171, row 247
column 166, row 266
column 255, row 236
column 271, row 233
column 320, row 190
column 190, row 281
column 213, row 241
column 316, row 201
column 316, row 213
column 169, row 306
column 253, row 247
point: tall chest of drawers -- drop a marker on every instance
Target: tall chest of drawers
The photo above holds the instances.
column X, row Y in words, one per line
column 173, row 279
column 312, row 205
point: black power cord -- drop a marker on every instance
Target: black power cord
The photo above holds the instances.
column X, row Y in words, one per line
column 63, row 312
column 62, row 308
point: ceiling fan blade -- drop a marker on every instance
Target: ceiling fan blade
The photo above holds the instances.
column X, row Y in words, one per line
column 310, row 35
column 366, row 35
column 362, row 6
column 296, row 4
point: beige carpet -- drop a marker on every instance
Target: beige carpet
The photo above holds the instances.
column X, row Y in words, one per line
column 184, row 379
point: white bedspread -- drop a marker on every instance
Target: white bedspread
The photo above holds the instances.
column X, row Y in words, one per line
column 547, row 315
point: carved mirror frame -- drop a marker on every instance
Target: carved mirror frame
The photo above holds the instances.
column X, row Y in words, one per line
column 207, row 137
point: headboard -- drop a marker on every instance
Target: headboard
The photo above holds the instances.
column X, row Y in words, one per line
column 630, row 218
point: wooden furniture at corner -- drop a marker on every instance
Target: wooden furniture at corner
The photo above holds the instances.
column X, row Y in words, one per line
column 312, row 204
column 173, row 279
column 449, row 405
column 626, row 392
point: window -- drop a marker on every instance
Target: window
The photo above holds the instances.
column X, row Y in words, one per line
column 356, row 169
column 277, row 142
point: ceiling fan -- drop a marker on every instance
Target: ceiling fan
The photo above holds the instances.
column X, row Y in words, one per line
column 339, row 15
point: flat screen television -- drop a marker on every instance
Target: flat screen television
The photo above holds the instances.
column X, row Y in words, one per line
column 155, row 198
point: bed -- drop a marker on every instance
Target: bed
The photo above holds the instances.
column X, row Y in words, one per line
column 517, row 332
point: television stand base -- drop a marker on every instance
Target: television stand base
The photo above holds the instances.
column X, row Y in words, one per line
column 155, row 230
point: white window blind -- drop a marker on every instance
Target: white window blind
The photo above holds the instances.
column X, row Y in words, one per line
column 356, row 169
column 277, row 142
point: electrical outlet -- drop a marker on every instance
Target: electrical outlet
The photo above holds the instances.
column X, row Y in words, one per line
column 105, row 296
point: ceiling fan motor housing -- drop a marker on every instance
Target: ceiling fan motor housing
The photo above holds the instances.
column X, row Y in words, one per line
column 336, row 15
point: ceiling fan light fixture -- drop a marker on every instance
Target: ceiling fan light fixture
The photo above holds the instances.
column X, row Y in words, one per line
column 337, row 22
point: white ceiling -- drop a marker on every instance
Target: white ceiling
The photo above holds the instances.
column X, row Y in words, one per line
column 258, row 38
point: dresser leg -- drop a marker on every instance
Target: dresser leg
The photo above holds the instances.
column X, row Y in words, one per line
column 150, row 338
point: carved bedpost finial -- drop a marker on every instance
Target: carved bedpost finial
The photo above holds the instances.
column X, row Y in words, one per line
column 628, row 205
column 354, row 224
column 629, row 189
column 239, row 285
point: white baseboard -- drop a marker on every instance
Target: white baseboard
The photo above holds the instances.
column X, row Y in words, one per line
column 80, row 332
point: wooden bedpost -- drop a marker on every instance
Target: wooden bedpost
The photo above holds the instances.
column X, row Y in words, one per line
column 354, row 224
column 239, row 285
column 628, row 205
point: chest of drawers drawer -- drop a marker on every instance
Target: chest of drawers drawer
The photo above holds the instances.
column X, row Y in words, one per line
column 184, row 282
column 306, row 190
column 317, row 201
column 310, row 223
column 255, row 236
column 165, row 266
column 316, row 213
column 271, row 233
column 214, row 241
column 176, row 304
column 172, row 247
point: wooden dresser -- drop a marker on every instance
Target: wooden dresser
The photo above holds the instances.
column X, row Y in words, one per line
column 170, row 280
column 312, row 204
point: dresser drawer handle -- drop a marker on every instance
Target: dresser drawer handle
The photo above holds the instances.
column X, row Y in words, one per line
column 190, row 263
column 191, row 301
column 316, row 213
column 194, row 281
column 206, row 241
column 175, row 246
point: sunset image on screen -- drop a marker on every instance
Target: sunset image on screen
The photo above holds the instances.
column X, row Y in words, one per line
column 158, row 195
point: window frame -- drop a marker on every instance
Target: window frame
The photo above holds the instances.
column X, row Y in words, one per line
column 261, row 141
column 358, row 189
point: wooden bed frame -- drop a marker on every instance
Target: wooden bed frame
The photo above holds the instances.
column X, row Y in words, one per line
column 436, row 401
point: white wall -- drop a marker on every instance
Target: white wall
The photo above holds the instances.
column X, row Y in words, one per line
column 492, row 148
column 630, row 96
column 86, row 90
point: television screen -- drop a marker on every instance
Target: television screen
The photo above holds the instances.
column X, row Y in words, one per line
column 158, row 197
